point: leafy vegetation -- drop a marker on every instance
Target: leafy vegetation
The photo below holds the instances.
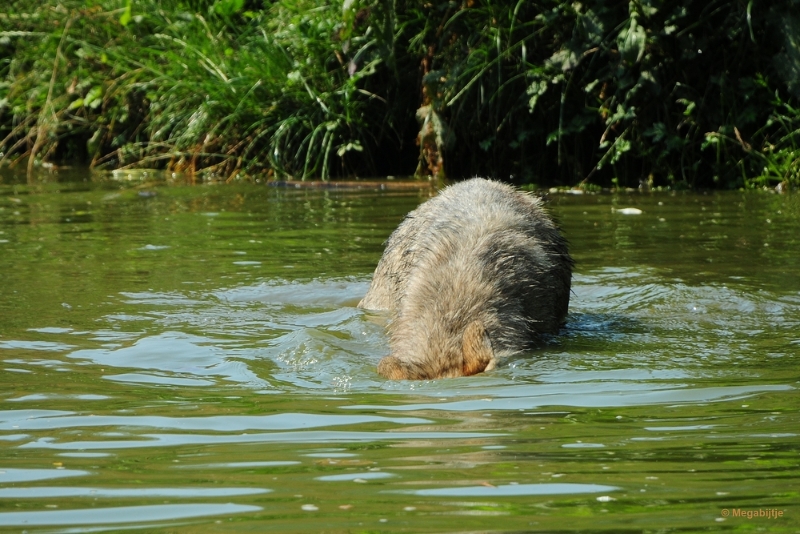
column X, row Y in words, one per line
column 691, row 93
column 684, row 94
column 189, row 87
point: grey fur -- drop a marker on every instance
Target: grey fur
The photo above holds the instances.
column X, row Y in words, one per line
column 470, row 276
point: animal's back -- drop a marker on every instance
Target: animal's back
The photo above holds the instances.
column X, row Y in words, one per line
column 482, row 254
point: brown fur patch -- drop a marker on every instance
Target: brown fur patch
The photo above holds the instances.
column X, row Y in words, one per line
column 391, row 368
column 476, row 349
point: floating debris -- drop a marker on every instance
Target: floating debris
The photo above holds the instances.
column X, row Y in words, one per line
column 629, row 211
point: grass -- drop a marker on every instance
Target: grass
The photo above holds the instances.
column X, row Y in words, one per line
column 186, row 90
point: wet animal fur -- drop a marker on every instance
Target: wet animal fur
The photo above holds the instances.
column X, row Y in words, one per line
column 469, row 277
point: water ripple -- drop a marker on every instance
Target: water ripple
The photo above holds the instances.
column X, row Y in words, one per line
column 121, row 515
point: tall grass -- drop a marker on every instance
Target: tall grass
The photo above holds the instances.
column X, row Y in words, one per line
column 685, row 94
column 189, row 88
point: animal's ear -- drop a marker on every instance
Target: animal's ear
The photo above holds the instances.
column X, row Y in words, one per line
column 392, row 368
column 477, row 350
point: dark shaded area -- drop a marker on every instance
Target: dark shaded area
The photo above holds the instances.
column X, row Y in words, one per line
column 702, row 94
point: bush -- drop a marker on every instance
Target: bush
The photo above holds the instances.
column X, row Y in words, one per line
column 701, row 93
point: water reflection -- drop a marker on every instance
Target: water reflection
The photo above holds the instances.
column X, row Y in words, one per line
column 11, row 475
column 38, row 420
column 588, row 395
column 121, row 515
column 513, row 490
column 173, row 440
column 356, row 477
column 48, row 492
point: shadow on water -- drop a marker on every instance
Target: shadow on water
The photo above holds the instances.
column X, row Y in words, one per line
column 194, row 360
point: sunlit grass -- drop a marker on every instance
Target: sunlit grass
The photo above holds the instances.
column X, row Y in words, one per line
column 174, row 88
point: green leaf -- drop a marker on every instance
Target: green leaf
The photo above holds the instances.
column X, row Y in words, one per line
column 657, row 131
column 690, row 105
column 227, row 8
column 125, row 18
column 712, row 139
column 631, row 42
column 353, row 145
column 622, row 114
column 620, row 147
column 349, row 12
column 536, row 90
column 94, row 97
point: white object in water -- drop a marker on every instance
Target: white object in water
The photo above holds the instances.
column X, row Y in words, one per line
column 629, row 211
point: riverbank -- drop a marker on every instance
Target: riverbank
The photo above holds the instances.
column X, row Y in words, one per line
column 695, row 95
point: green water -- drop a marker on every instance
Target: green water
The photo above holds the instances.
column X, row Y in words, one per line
column 190, row 359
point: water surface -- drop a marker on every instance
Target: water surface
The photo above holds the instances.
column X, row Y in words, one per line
column 191, row 358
